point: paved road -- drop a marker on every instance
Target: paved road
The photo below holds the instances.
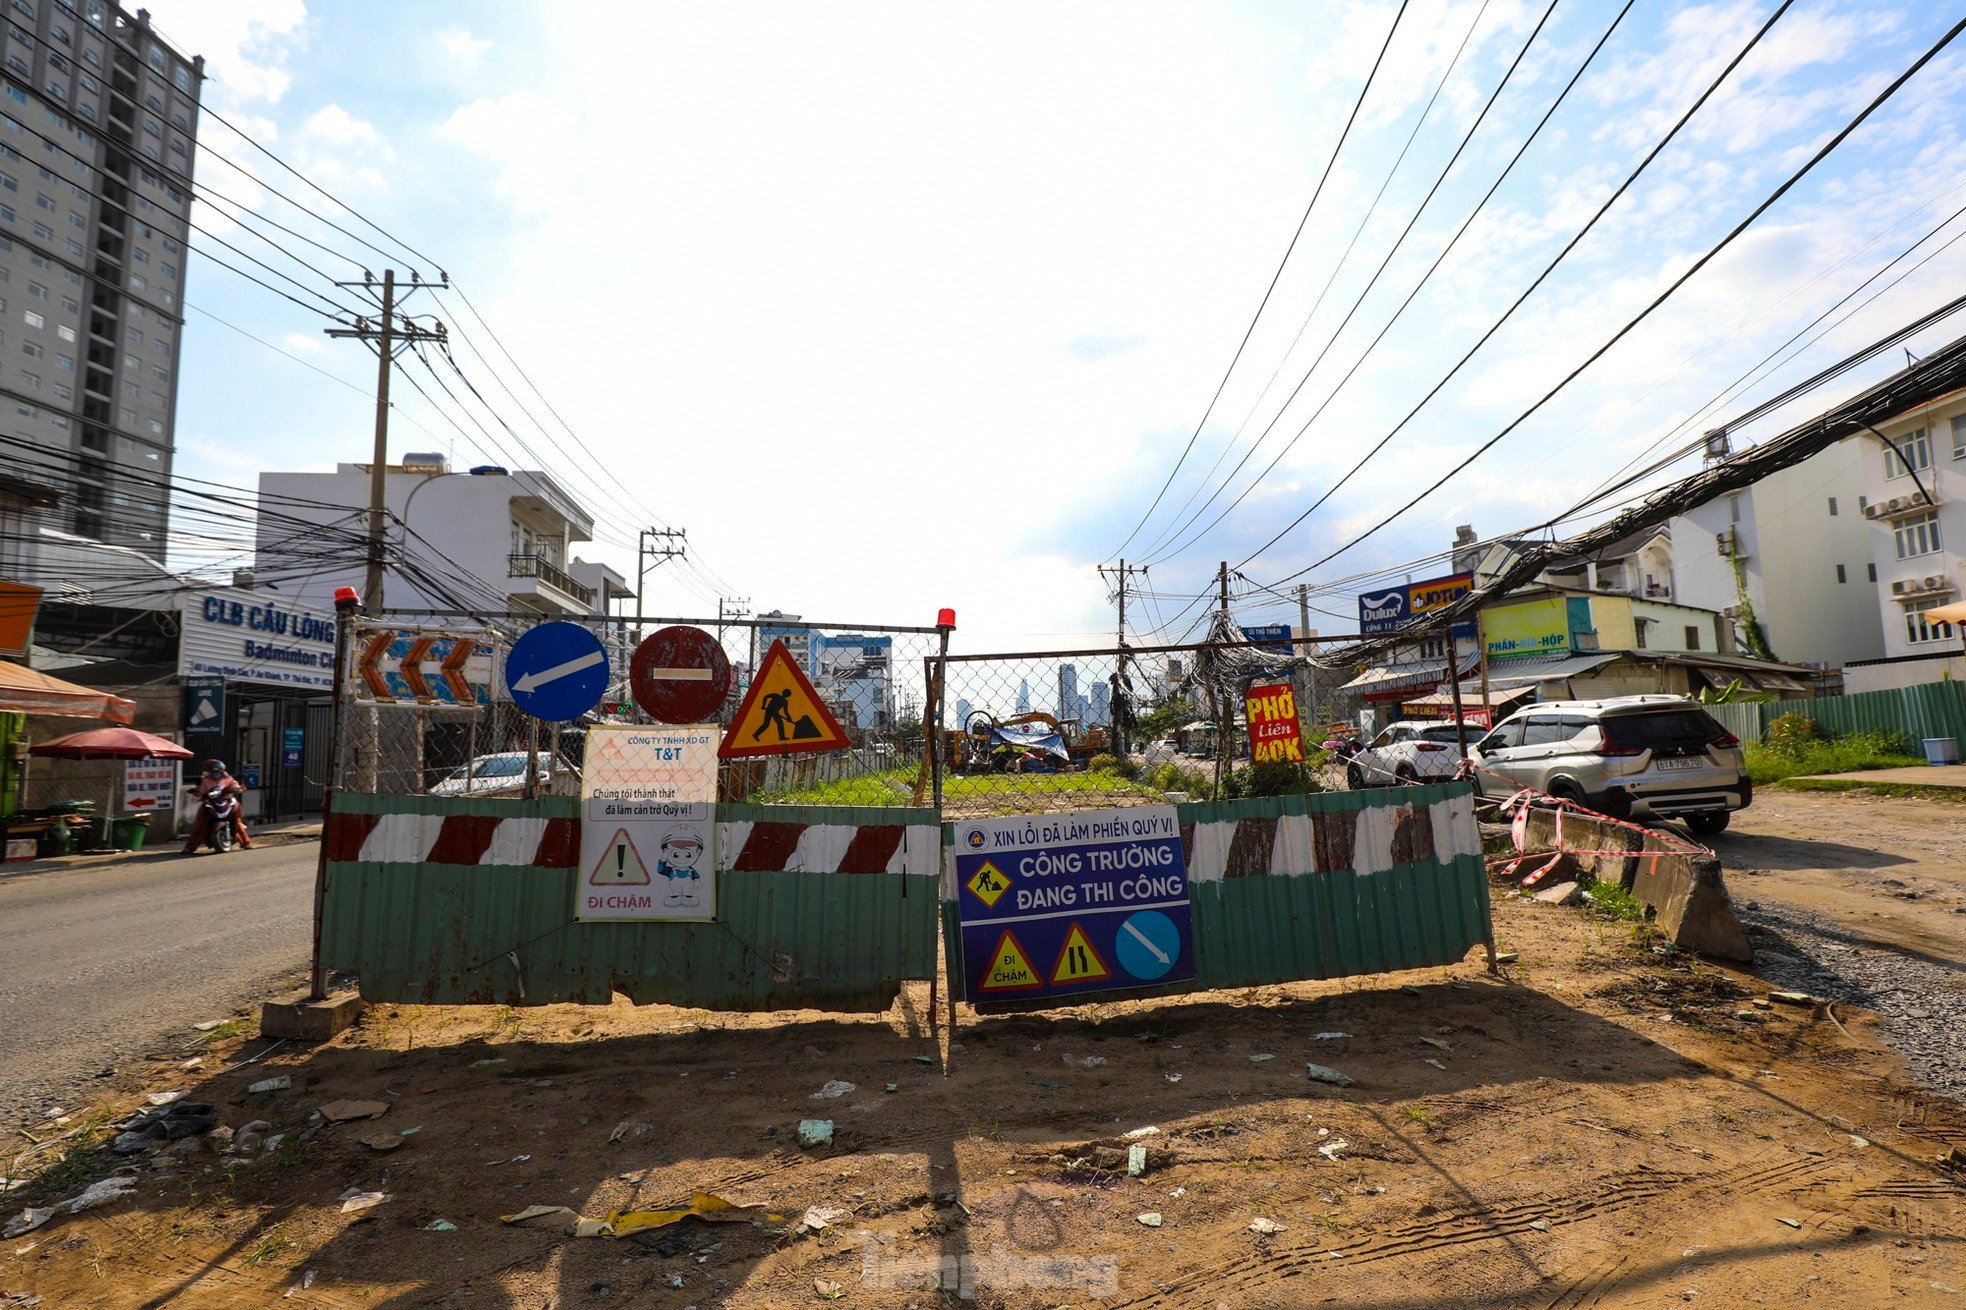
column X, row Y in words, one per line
column 98, row 964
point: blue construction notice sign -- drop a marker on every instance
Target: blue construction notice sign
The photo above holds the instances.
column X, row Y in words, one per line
column 557, row 671
column 1060, row 904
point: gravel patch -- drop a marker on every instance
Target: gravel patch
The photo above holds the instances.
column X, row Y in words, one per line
column 1922, row 1006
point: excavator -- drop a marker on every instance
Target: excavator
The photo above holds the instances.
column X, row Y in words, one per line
column 986, row 743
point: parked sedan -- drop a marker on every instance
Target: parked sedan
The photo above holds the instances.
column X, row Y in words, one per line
column 495, row 775
column 1412, row 750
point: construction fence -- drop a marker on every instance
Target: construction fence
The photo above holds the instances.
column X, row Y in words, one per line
column 1911, row 714
column 461, row 864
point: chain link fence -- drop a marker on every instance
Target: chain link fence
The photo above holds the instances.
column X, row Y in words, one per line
column 1091, row 729
column 447, row 727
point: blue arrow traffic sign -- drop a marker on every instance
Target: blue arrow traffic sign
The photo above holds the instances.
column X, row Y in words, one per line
column 557, row 671
column 1148, row 944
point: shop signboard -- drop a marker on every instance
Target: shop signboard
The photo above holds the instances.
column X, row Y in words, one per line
column 241, row 636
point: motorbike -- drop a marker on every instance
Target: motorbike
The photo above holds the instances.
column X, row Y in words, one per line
column 221, row 809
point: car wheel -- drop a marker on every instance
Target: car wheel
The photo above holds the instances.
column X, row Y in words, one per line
column 1406, row 776
column 1706, row 825
column 1566, row 790
column 1354, row 778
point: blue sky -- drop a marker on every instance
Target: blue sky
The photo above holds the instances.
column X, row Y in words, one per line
column 897, row 307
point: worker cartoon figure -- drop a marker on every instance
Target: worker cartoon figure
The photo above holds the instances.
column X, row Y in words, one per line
column 676, row 860
column 775, row 705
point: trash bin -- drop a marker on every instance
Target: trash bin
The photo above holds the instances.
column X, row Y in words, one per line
column 1941, row 750
column 61, row 839
column 130, row 832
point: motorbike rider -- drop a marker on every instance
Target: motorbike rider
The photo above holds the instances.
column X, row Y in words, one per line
column 216, row 779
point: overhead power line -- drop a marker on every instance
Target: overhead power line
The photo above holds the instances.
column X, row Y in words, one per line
column 1760, row 209
column 1316, row 191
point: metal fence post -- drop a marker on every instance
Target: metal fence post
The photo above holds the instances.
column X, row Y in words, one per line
column 345, row 605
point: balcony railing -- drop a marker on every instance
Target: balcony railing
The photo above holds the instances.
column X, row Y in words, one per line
column 535, row 566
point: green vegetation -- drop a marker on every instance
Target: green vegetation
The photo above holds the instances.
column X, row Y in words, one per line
column 1163, row 719
column 1614, row 902
column 1797, row 746
column 897, row 787
column 1272, row 779
column 1895, row 790
column 1124, row 768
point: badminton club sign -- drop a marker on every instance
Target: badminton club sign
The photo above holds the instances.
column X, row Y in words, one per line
column 648, row 830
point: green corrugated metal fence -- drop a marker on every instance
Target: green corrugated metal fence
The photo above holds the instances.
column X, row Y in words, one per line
column 1931, row 709
column 429, row 931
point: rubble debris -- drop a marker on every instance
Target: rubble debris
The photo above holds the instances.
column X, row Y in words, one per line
column 819, row 1218
column 1792, row 998
column 164, row 1123
column 355, row 1200
column 629, row 1129
column 1136, row 1161
column 1265, row 1227
column 834, row 1089
column 1319, row 1073
column 440, row 1226
column 343, row 1111
column 537, row 1212
column 279, row 1084
column 815, row 1133
column 1151, row 1219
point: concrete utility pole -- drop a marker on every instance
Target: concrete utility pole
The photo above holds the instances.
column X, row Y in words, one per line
column 1224, row 715
column 386, row 335
column 1307, row 694
column 739, row 608
column 1119, row 670
column 644, row 552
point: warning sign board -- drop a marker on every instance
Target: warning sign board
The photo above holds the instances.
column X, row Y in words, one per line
column 781, row 714
column 648, row 830
column 620, row 865
column 1078, row 960
column 988, row 883
column 1063, row 904
column 1009, row 969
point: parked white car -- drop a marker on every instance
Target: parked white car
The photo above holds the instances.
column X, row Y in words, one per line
column 1412, row 750
column 496, row 775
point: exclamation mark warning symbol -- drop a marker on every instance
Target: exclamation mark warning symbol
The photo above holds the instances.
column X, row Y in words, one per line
column 620, row 864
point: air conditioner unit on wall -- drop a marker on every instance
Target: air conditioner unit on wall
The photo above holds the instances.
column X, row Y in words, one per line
column 1902, row 587
column 1894, row 505
column 1723, row 543
column 1937, row 582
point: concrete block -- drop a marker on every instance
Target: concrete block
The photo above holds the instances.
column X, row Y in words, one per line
column 1694, row 911
column 303, row 1020
column 1563, row 893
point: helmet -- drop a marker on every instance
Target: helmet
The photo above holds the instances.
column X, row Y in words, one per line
column 214, row 766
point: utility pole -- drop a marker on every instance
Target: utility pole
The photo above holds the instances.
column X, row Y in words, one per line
column 1308, row 693
column 739, row 608
column 1120, row 681
column 644, row 552
column 1224, row 716
column 386, row 336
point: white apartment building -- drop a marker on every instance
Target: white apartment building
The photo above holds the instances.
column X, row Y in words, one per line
column 1915, row 504
column 483, row 538
column 1798, row 546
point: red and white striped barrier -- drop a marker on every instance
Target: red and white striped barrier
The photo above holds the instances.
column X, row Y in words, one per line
column 744, row 846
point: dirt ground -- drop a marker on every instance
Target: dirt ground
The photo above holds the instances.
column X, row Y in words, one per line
column 1891, row 872
column 1595, row 1128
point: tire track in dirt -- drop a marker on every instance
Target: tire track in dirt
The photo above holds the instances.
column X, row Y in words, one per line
column 1616, row 1195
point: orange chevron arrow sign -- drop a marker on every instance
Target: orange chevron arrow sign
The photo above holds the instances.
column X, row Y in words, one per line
column 425, row 669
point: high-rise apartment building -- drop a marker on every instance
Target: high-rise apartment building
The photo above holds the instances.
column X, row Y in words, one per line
column 98, row 126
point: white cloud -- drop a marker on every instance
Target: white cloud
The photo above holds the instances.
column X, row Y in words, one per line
column 461, row 47
column 247, row 45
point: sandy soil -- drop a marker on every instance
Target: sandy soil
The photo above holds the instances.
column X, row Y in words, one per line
column 1890, row 872
column 1596, row 1128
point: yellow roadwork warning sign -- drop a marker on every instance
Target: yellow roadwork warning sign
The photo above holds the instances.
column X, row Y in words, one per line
column 988, row 884
column 1010, row 969
column 1078, row 961
column 620, row 864
column 781, row 714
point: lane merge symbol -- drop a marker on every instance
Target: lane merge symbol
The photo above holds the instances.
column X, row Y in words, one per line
column 1078, row 960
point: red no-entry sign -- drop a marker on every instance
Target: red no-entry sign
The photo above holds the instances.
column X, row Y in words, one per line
column 680, row 675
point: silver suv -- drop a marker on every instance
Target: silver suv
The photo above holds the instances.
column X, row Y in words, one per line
column 1633, row 757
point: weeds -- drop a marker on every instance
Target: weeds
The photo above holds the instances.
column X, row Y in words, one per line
column 1798, row 754
column 1614, row 902
column 1418, row 1114
column 269, row 1244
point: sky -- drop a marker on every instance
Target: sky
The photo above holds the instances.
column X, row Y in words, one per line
column 898, row 307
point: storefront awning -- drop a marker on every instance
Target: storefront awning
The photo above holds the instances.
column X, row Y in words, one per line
column 23, row 691
column 1544, row 668
column 1498, row 697
column 1393, row 678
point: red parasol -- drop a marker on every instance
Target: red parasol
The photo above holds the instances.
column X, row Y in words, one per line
column 111, row 744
